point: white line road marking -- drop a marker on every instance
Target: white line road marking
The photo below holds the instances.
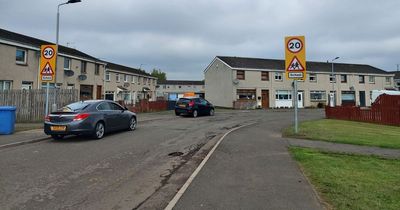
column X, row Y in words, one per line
column 179, row 194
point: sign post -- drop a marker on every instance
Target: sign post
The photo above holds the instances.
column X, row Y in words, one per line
column 295, row 67
column 47, row 69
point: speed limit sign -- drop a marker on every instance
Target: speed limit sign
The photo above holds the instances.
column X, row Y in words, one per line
column 48, row 52
column 294, row 45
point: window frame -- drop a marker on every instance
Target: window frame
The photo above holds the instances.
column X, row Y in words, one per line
column 240, row 74
column 126, row 78
column 287, row 93
column 83, row 67
column 361, row 81
column 373, row 79
column 25, row 61
column 96, row 69
column 264, row 76
column 314, row 75
column 388, row 80
column 3, row 82
column 321, row 92
column 278, row 76
column 343, row 78
column 69, row 63
column 118, row 77
column 107, row 76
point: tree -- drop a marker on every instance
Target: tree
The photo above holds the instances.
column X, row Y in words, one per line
column 162, row 76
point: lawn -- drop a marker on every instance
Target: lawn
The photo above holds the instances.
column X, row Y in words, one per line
column 352, row 181
column 348, row 132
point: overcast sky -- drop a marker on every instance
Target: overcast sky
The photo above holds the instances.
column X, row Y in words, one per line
column 181, row 37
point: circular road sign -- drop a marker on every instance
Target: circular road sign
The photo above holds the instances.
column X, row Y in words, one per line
column 294, row 45
column 48, row 52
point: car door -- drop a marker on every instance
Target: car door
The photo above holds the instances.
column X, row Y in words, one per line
column 121, row 118
column 105, row 109
column 206, row 106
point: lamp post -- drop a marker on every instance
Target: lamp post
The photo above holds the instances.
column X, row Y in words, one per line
column 57, row 33
column 332, row 94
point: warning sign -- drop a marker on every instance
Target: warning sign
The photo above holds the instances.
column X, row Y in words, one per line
column 295, row 57
column 295, row 65
column 48, row 63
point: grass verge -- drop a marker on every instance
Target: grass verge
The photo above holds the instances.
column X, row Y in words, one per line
column 352, row 181
column 348, row 132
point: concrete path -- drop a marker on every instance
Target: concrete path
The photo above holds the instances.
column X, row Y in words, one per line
column 346, row 148
column 250, row 169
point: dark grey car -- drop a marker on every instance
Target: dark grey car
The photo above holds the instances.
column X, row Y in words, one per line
column 94, row 118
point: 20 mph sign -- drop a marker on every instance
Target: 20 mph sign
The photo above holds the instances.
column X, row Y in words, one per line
column 48, row 63
column 295, row 57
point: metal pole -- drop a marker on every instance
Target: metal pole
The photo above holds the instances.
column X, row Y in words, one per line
column 47, row 99
column 333, row 85
column 296, row 126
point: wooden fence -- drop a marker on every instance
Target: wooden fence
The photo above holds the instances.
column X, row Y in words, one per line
column 147, row 106
column 31, row 103
column 385, row 110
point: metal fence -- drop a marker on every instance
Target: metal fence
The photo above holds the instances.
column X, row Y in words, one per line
column 31, row 103
column 385, row 110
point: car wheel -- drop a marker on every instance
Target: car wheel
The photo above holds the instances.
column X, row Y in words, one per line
column 211, row 113
column 195, row 113
column 99, row 130
column 57, row 136
column 132, row 124
column 177, row 113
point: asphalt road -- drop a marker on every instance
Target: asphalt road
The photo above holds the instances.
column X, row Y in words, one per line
column 126, row 170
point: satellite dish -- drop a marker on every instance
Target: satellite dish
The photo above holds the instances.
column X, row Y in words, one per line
column 235, row 81
column 126, row 84
column 82, row 77
column 69, row 73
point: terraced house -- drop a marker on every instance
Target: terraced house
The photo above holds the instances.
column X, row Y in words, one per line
column 19, row 69
column 260, row 83
column 128, row 84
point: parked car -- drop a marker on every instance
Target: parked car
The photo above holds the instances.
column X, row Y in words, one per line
column 93, row 117
column 193, row 107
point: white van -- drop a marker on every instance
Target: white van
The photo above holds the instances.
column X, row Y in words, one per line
column 376, row 93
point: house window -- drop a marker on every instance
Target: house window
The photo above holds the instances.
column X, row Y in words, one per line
column 312, row 77
column 67, row 64
column 240, row 75
column 343, row 78
column 265, row 76
column 5, row 85
column 278, row 76
column 26, row 85
column 244, row 94
column 317, row 95
column 371, row 79
column 133, row 79
column 97, row 69
column 139, row 80
column 117, row 78
column 361, row 79
column 332, row 78
column 126, row 78
column 83, row 67
column 283, row 95
column 70, row 86
column 107, row 76
column 388, row 80
column 20, row 56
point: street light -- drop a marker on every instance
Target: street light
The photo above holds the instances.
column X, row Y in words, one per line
column 57, row 32
column 332, row 94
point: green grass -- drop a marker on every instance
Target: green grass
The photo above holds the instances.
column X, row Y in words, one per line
column 352, row 181
column 348, row 132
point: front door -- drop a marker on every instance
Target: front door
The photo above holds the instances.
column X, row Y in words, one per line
column 99, row 92
column 300, row 100
column 362, row 98
column 265, row 99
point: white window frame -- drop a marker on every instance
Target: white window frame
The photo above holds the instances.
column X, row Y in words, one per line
column 278, row 76
column 388, row 80
column 332, row 78
column 27, row 86
column 284, row 93
column 118, row 77
column 24, row 62
column 321, row 92
column 314, row 75
column 3, row 82
column 133, row 79
column 371, row 79
column 69, row 63
column 126, row 78
column 107, row 76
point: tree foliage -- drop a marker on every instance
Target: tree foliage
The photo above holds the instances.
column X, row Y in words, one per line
column 162, row 76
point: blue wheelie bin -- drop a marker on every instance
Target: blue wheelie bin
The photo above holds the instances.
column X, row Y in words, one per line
column 7, row 119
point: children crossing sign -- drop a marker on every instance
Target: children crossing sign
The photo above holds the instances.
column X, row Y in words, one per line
column 47, row 63
column 295, row 57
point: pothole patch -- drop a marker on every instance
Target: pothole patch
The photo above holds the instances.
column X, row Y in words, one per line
column 175, row 154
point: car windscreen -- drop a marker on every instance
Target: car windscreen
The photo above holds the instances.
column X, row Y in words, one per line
column 74, row 107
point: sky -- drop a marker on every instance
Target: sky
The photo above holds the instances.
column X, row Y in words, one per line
column 181, row 37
